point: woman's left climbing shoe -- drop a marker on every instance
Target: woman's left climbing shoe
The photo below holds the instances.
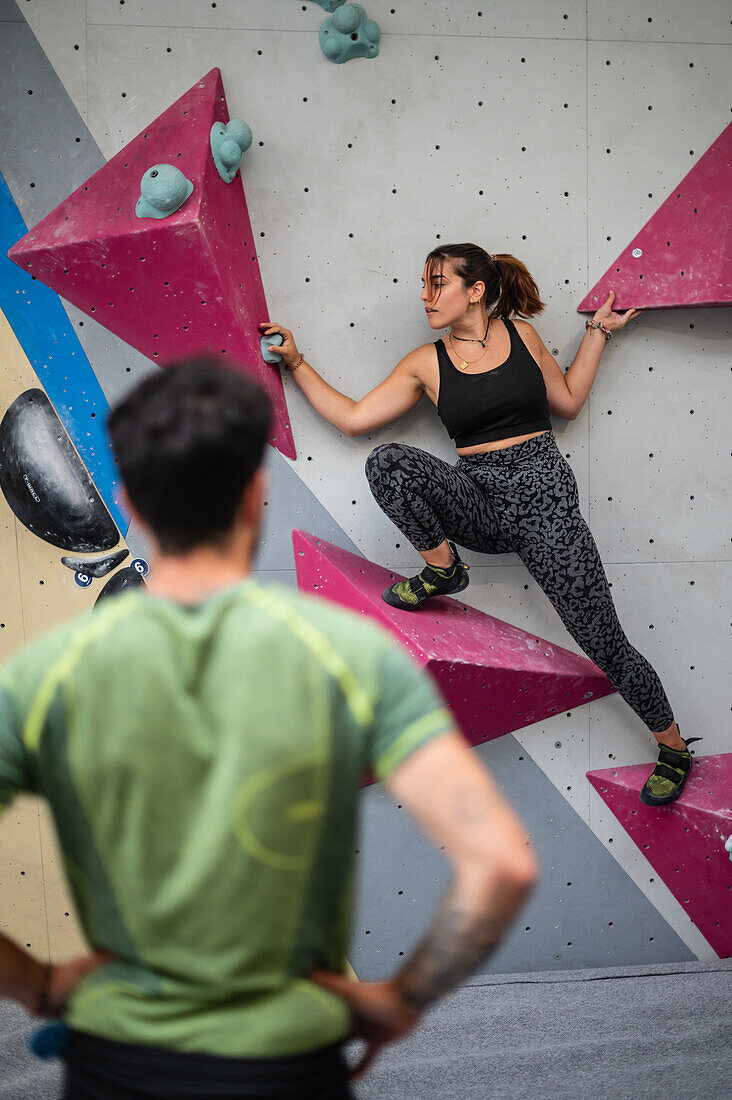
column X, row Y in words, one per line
column 432, row 581
column 666, row 781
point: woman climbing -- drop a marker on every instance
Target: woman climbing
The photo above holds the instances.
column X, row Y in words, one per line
column 494, row 384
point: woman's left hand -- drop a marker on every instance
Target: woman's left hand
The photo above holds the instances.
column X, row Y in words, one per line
column 613, row 321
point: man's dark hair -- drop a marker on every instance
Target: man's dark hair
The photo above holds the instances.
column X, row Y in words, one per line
column 188, row 440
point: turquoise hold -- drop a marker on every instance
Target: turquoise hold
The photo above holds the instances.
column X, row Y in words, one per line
column 330, row 5
column 267, row 341
column 349, row 34
column 229, row 143
column 163, row 189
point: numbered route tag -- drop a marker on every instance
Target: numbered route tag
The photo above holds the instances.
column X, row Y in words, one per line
column 138, row 564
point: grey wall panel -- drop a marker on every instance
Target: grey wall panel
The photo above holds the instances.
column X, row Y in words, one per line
column 660, row 21
column 46, row 153
column 585, row 912
column 431, row 17
column 64, row 26
column 9, row 13
column 287, row 577
column 659, row 411
column 661, row 439
column 290, row 503
column 677, row 616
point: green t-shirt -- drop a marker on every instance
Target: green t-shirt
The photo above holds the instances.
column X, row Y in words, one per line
column 202, row 765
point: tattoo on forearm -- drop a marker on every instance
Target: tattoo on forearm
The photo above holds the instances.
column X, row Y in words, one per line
column 455, row 945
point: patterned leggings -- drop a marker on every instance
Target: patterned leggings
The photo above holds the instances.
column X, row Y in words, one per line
column 521, row 499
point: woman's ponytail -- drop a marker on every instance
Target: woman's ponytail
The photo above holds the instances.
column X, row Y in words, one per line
column 519, row 294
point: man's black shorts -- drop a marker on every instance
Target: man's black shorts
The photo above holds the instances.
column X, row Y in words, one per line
column 98, row 1069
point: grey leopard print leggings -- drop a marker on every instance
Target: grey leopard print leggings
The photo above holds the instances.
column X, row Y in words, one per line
column 521, row 499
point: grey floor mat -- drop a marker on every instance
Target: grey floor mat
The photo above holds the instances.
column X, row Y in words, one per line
column 657, row 1033
column 604, row 1035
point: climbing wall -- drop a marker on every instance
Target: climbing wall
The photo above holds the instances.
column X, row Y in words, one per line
column 588, row 118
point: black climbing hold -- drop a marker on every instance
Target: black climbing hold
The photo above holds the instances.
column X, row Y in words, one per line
column 45, row 482
column 120, row 582
column 97, row 567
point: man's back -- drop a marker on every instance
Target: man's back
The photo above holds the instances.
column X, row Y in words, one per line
column 202, row 765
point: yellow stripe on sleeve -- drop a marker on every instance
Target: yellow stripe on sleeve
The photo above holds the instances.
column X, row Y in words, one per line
column 356, row 697
column 60, row 669
column 439, row 721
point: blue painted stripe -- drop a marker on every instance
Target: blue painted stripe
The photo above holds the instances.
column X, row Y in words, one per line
column 46, row 335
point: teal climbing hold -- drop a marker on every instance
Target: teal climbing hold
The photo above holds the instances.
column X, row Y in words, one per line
column 49, row 1041
column 163, row 190
column 267, row 342
column 349, row 34
column 330, row 5
column 229, row 143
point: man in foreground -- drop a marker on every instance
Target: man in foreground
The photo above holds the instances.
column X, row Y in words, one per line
column 201, row 746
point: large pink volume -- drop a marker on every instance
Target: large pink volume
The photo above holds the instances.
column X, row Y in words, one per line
column 187, row 283
column 683, row 256
column 684, row 841
column 495, row 677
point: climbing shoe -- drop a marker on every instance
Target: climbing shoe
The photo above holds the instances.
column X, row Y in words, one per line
column 666, row 781
column 432, row 581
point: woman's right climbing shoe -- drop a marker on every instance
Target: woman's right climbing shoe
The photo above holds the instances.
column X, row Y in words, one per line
column 666, row 781
column 432, row 581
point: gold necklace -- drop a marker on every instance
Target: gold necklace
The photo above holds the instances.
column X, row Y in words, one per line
column 464, row 363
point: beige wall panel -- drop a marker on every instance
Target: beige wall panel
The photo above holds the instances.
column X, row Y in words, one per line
column 16, row 375
column 50, row 594
column 22, row 887
column 37, row 593
column 11, row 606
column 65, row 937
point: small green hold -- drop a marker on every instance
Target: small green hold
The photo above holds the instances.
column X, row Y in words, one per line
column 330, row 5
column 348, row 34
column 229, row 143
column 163, row 190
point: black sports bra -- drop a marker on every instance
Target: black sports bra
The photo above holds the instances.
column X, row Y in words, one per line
column 507, row 400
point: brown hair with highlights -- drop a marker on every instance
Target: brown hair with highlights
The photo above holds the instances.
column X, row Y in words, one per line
column 510, row 289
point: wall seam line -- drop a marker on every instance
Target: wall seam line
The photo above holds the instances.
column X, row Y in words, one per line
column 412, row 35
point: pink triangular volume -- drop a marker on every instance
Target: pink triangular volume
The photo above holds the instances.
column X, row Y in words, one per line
column 495, row 677
column 683, row 256
column 185, row 284
column 684, row 841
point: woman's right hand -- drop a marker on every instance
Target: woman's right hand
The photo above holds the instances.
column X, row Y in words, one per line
column 288, row 349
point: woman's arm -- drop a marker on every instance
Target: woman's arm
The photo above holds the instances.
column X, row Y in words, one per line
column 567, row 392
column 393, row 397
